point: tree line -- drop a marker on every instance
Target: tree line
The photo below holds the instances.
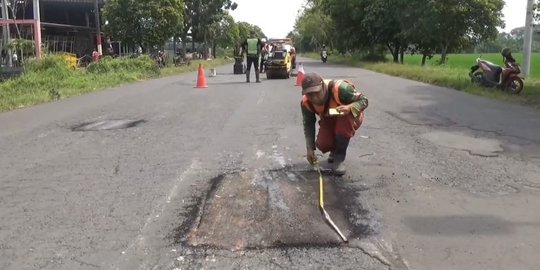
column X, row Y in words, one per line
column 150, row 24
column 377, row 27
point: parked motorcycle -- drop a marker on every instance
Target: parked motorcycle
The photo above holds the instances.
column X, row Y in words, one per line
column 324, row 56
column 485, row 73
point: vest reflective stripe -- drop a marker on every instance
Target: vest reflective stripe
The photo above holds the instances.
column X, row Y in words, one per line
column 252, row 46
column 334, row 102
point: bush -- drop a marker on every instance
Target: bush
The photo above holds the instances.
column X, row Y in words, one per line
column 374, row 57
column 47, row 63
column 51, row 78
column 140, row 64
column 53, row 67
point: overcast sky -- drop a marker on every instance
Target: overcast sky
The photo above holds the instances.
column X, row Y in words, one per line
column 514, row 14
column 276, row 17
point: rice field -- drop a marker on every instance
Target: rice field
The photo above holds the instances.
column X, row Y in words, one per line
column 454, row 74
column 465, row 61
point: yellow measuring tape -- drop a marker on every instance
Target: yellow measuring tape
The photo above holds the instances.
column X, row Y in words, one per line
column 325, row 214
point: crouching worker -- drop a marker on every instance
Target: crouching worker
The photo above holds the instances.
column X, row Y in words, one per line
column 341, row 112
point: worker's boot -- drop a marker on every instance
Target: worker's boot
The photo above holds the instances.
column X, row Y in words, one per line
column 247, row 76
column 257, row 76
column 331, row 157
column 342, row 143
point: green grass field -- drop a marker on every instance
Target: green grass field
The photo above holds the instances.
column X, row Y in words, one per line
column 465, row 61
column 453, row 75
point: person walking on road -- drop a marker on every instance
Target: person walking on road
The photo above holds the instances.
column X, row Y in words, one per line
column 341, row 112
column 252, row 47
column 264, row 57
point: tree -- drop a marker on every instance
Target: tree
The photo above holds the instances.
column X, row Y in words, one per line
column 312, row 29
column 427, row 25
column 536, row 12
column 199, row 15
column 143, row 23
column 457, row 23
column 247, row 30
column 346, row 17
column 224, row 33
column 385, row 24
column 504, row 40
column 367, row 23
column 419, row 29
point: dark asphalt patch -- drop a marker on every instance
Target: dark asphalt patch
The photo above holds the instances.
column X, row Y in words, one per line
column 107, row 125
column 271, row 209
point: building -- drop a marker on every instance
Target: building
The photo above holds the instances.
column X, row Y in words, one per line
column 69, row 25
column 66, row 25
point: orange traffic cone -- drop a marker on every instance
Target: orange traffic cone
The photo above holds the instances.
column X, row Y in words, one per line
column 201, row 80
column 300, row 76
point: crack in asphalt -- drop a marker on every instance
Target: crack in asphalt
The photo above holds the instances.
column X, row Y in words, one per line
column 387, row 256
column 116, row 169
column 288, row 256
column 81, row 262
column 445, row 122
column 531, row 186
column 478, row 154
column 454, row 124
column 377, row 257
column 273, row 262
column 199, row 255
column 499, row 133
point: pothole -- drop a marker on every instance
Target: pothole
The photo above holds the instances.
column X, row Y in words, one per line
column 107, row 125
column 272, row 209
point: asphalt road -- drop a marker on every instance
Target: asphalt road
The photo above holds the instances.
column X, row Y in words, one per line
column 216, row 178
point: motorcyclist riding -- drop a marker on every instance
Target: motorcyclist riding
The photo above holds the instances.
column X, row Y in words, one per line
column 324, row 53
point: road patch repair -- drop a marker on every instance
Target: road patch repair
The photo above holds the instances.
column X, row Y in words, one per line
column 483, row 147
column 272, row 209
column 107, row 125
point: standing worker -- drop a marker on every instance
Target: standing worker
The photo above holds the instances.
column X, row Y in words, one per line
column 264, row 56
column 252, row 47
column 341, row 111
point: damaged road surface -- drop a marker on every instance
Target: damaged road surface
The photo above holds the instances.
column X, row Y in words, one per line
column 268, row 209
column 275, row 212
column 161, row 175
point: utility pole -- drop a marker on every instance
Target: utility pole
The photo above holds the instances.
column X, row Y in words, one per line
column 527, row 42
column 6, row 36
column 98, row 27
column 37, row 28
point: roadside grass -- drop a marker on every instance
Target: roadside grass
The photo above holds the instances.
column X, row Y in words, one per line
column 51, row 78
column 465, row 61
column 453, row 75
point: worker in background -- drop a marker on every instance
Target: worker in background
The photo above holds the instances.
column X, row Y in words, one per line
column 252, row 47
